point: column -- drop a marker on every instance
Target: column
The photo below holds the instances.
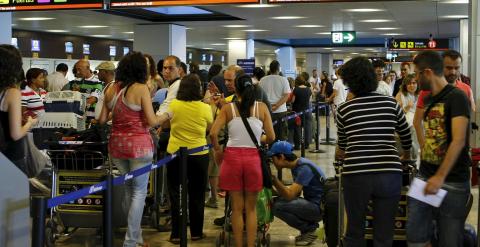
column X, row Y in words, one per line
column 6, row 27
column 237, row 49
column 314, row 61
column 287, row 58
column 463, row 45
column 327, row 62
column 250, row 49
column 161, row 40
column 474, row 64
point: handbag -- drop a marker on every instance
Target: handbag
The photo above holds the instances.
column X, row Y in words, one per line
column 26, row 156
column 267, row 176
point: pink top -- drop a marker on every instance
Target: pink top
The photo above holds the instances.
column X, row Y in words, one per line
column 130, row 136
column 459, row 84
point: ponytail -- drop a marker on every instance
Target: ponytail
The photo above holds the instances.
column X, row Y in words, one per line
column 246, row 89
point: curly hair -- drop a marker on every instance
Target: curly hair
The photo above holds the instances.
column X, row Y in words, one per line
column 10, row 68
column 408, row 80
column 131, row 69
column 359, row 75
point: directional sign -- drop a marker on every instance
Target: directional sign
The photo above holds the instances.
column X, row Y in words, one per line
column 344, row 37
column 418, row 44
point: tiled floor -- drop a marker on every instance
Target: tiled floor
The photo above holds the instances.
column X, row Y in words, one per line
column 281, row 234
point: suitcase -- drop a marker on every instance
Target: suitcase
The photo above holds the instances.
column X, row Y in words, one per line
column 330, row 212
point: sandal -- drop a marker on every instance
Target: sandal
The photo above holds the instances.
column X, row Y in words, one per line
column 199, row 238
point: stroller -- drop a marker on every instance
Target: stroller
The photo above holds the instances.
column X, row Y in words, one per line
column 264, row 205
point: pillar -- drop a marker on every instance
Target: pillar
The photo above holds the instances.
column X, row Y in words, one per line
column 314, row 61
column 474, row 63
column 287, row 58
column 161, row 40
column 463, row 45
column 240, row 49
column 6, row 27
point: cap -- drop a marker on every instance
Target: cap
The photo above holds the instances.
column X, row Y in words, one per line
column 280, row 147
column 106, row 66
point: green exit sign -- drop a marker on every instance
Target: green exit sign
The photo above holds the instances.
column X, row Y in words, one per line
column 344, row 37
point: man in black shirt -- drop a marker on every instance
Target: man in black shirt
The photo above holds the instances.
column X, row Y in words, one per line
column 444, row 158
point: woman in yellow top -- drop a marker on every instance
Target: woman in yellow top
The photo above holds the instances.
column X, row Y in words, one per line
column 189, row 124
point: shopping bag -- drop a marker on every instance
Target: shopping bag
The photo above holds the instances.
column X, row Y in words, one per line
column 264, row 207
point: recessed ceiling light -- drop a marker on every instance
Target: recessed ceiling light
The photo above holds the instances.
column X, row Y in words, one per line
column 455, row 16
column 255, row 30
column 354, row 53
column 219, row 44
column 328, row 48
column 363, row 10
column 128, row 32
column 324, row 33
column 207, row 48
column 385, row 28
column 376, row 20
column 287, row 17
column 233, row 26
column 307, row 26
column 57, row 31
column 130, row 39
column 392, row 34
column 336, row 50
column 262, row 5
column 36, row 19
column 92, row 26
column 455, row 1
column 189, row 28
column 101, row 35
column 233, row 38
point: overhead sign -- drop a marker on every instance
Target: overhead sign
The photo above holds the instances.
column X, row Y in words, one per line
column 418, row 44
column 143, row 3
column 344, row 37
column 248, row 65
column 19, row 5
column 313, row 1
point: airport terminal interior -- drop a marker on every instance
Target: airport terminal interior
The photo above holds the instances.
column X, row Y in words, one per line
column 306, row 43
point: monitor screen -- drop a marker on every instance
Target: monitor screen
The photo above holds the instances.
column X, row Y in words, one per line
column 86, row 49
column 35, row 45
column 68, row 47
column 113, row 51
column 15, row 42
column 126, row 50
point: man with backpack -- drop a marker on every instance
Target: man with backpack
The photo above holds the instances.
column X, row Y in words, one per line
column 300, row 213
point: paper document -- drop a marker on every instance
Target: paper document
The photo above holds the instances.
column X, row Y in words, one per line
column 417, row 191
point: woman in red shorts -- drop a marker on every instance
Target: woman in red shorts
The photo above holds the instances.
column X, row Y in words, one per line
column 240, row 172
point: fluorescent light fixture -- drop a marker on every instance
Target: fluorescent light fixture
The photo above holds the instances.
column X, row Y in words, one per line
column 393, row 34
column 218, row 44
column 92, row 26
column 376, row 20
column 287, row 17
column 207, row 48
column 101, row 35
column 307, row 26
column 354, row 53
column 363, row 10
column 36, row 18
column 234, row 26
column 128, row 32
column 233, row 38
column 254, row 30
column 327, row 48
column 130, row 39
column 262, row 5
column 14, row 24
column 455, row 16
column 189, row 28
column 57, row 31
column 336, row 50
column 455, row 1
column 324, row 33
column 179, row 10
column 385, row 28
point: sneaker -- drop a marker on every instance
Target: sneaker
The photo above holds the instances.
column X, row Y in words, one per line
column 219, row 221
column 211, row 203
column 306, row 238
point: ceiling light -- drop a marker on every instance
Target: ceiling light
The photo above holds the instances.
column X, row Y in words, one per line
column 207, row 48
column 233, row 26
column 189, row 28
column 92, row 26
column 14, row 24
column 392, row 34
column 455, row 16
column 328, row 48
column 101, row 35
column 128, row 32
column 287, row 17
column 324, row 33
column 57, row 31
column 376, row 20
column 218, row 44
column 455, row 1
column 130, row 40
column 363, row 10
column 310, row 26
column 36, row 19
column 336, row 50
column 354, row 53
column 232, row 38
column 254, row 30
column 262, row 5
column 385, row 28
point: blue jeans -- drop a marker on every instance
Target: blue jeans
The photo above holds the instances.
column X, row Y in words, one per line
column 299, row 213
column 384, row 191
column 135, row 194
column 449, row 217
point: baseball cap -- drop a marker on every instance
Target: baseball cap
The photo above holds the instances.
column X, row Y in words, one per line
column 106, row 66
column 280, row 147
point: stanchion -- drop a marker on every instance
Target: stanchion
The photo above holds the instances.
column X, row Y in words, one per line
column 108, row 211
column 327, row 140
column 317, row 132
column 39, row 210
column 183, row 156
column 302, row 135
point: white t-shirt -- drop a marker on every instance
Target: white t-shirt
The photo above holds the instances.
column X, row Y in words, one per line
column 172, row 94
column 341, row 95
column 275, row 87
column 56, row 81
column 384, row 88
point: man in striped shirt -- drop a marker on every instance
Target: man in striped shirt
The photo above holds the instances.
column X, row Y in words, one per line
column 366, row 141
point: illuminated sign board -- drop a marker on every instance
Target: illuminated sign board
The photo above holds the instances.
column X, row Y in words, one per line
column 35, row 45
column 418, row 44
column 86, row 49
column 68, row 47
column 344, row 37
column 20, row 5
column 113, row 51
column 15, row 42
column 126, row 50
column 140, row 3
column 248, row 65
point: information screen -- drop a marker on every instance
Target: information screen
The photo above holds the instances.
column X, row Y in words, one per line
column 19, row 5
column 143, row 3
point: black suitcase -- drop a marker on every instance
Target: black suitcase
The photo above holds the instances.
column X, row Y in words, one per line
column 330, row 213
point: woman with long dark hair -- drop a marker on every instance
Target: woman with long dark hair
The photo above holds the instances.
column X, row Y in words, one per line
column 240, row 172
column 130, row 145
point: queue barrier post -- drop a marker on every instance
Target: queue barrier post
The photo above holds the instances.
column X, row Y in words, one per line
column 108, row 211
column 317, row 131
column 183, row 156
column 302, row 135
column 327, row 140
column 39, row 209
